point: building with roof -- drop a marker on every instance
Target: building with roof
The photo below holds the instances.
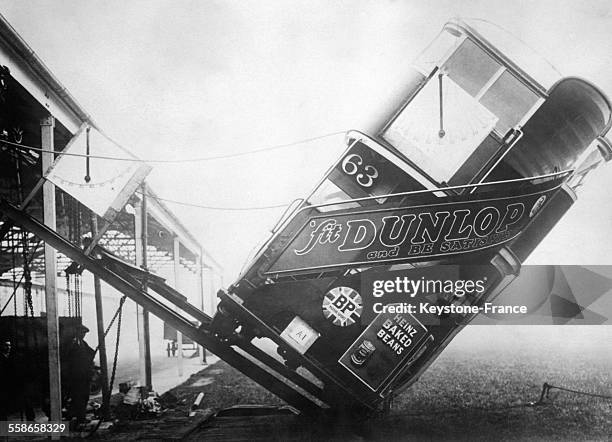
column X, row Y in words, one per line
column 39, row 119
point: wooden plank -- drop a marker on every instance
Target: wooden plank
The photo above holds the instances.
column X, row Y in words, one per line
column 100, row 328
column 201, row 292
column 142, row 315
column 168, row 426
column 55, row 389
column 177, row 266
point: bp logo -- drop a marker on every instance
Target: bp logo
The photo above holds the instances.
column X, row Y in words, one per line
column 343, row 306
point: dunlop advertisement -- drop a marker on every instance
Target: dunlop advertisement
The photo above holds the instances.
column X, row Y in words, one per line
column 402, row 234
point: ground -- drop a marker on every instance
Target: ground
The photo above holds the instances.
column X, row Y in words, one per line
column 479, row 389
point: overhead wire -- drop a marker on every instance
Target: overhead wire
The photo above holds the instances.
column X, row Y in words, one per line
column 200, row 206
column 178, row 161
column 199, row 159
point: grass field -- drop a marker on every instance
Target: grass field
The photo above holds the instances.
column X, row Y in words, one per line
column 479, row 388
column 482, row 384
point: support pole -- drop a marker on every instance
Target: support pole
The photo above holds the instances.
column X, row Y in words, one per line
column 177, row 266
column 144, row 343
column 55, row 387
column 201, row 291
column 100, row 327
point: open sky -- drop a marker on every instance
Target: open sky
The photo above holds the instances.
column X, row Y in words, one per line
column 184, row 79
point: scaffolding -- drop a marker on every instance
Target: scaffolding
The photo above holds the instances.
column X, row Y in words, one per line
column 37, row 110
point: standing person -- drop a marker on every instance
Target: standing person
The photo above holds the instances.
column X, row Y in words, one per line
column 7, row 375
column 168, row 348
column 79, row 358
column 13, row 385
column 174, row 347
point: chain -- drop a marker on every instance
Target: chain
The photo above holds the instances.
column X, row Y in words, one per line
column 68, row 293
column 118, row 315
column 14, row 270
column 77, row 294
column 110, row 324
column 112, row 379
column 27, row 286
column 16, row 286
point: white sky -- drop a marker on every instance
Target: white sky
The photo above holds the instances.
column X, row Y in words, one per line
column 196, row 78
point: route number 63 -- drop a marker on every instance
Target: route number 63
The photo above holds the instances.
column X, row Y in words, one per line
column 365, row 176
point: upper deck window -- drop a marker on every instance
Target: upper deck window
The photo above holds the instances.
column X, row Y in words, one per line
column 416, row 131
column 491, row 84
column 510, row 100
column 471, row 100
column 471, row 68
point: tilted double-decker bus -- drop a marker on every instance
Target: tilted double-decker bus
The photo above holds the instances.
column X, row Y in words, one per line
column 459, row 175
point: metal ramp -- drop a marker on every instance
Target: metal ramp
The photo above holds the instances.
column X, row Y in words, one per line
column 310, row 393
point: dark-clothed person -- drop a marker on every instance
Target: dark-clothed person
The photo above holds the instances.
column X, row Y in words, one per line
column 79, row 369
column 13, row 395
column 7, row 381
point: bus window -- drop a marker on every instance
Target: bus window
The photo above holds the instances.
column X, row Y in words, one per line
column 455, row 125
column 332, row 196
column 510, row 100
column 416, row 132
column 471, row 68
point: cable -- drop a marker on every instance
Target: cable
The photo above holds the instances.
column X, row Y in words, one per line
column 177, row 161
column 276, row 206
column 546, row 387
column 367, row 198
